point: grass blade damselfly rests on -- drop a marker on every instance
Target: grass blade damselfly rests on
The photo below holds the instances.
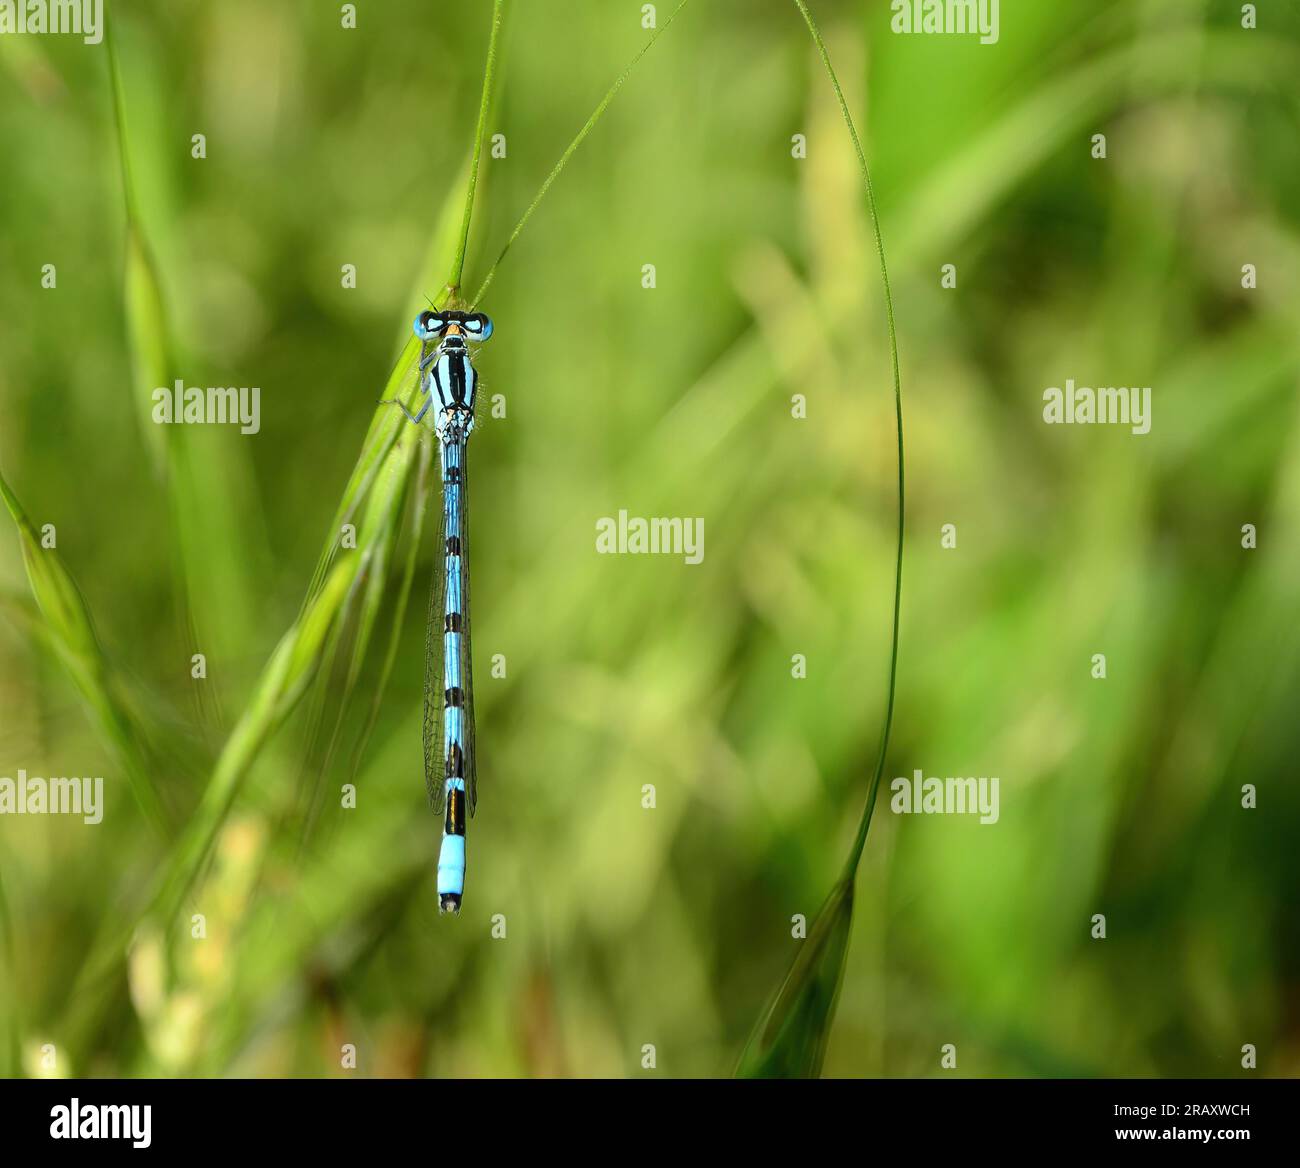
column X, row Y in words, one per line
column 448, row 394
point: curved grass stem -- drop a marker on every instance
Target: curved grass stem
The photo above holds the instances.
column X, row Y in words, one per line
column 485, row 103
column 789, row 1040
column 860, row 841
column 596, row 115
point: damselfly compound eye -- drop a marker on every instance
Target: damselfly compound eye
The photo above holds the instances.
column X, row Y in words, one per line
column 477, row 326
column 428, row 325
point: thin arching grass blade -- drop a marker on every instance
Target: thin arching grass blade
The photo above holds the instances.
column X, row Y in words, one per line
column 596, row 115
column 471, row 187
column 790, row 1039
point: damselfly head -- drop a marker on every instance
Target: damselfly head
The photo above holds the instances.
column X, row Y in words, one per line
column 449, row 902
column 474, row 326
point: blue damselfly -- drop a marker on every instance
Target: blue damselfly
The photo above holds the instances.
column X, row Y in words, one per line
column 449, row 387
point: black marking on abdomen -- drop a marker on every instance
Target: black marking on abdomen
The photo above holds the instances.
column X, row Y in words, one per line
column 453, row 474
column 454, row 824
column 455, row 766
column 454, row 697
column 453, row 545
column 452, row 623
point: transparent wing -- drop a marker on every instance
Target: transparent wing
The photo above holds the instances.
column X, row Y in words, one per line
column 466, row 641
column 453, row 523
column 434, row 728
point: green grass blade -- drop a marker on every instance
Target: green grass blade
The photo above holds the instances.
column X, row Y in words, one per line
column 72, row 636
column 286, row 675
column 211, row 576
column 855, row 854
column 790, row 1039
column 283, row 680
column 383, row 516
column 485, row 101
column 419, row 511
column 596, row 115
column 385, row 430
column 148, row 334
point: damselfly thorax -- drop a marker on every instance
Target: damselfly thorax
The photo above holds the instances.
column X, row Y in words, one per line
column 447, row 370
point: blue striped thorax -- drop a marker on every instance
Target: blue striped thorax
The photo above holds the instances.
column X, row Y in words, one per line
column 451, row 381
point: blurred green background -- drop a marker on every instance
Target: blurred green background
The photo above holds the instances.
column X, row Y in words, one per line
column 671, row 927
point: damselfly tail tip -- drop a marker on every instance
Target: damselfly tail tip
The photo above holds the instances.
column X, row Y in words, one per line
column 451, row 873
